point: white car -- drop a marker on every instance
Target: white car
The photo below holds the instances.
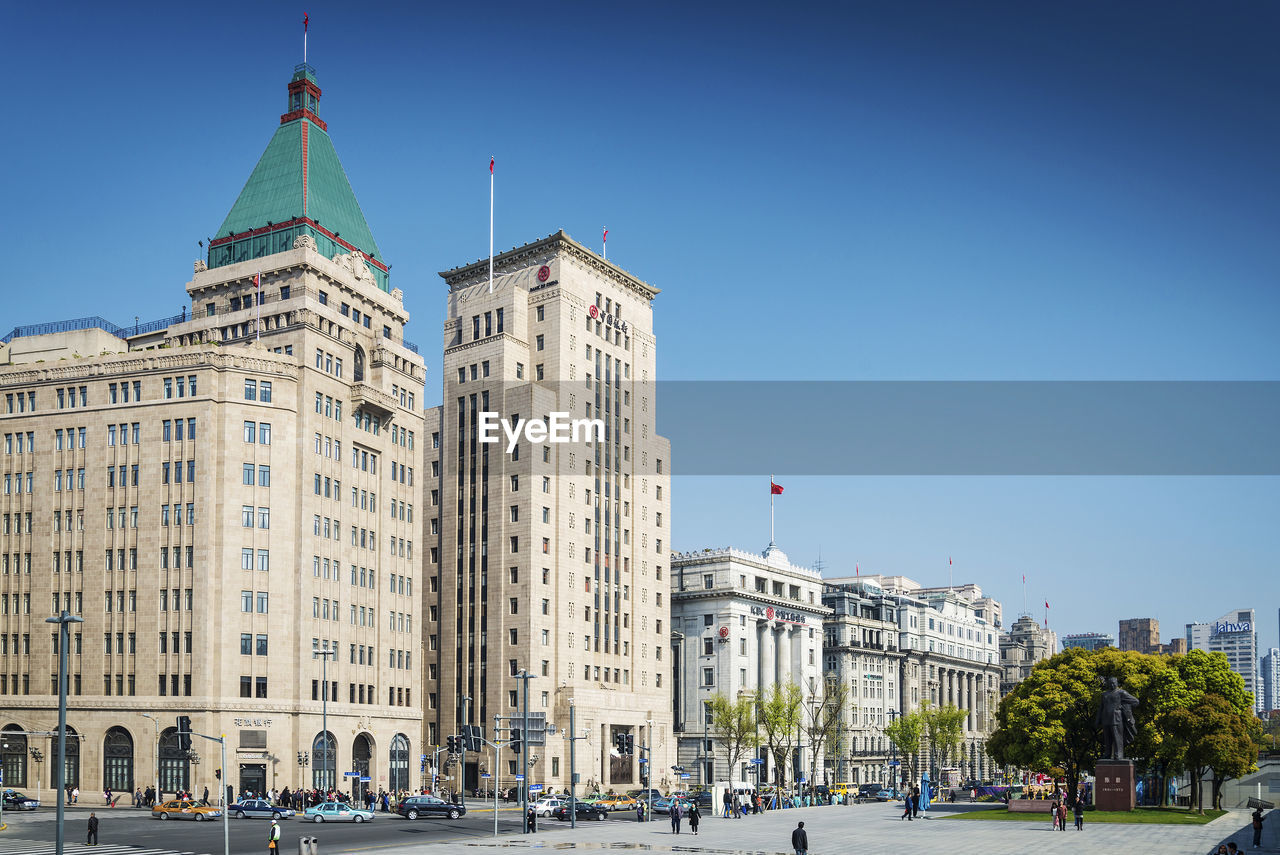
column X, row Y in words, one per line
column 544, row 807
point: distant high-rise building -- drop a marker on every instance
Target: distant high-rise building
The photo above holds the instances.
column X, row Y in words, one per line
column 1089, row 640
column 1270, row 672
column 1025, row 644
column 1235, row 634
column 1140, row 635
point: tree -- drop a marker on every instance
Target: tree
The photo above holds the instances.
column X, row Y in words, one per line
column 733, row 722
column 1216, row 738
column 780, row 718
column 943, row 727
column 905, row 733
column 822, row 722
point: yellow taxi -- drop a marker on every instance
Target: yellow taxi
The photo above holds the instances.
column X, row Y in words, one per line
column 617, row 803
column 185, row 809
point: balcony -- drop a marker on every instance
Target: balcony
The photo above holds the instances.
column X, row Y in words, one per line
column 375, row 401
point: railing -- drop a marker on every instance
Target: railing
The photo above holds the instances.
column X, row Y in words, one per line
column 94, row 322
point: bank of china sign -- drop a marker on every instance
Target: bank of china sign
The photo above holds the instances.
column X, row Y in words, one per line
column 770, row 613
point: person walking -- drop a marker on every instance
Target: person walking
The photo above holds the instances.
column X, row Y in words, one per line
column 728, row 802
column 1053, row 814
column 915, row 802
column 1257, row 828
column 800, row 840
column 93, row 830
column 1079, row 813
column 676, row 816
column 1062, row 816
column 273, row 838
column 531, row 820
column 906, row 807
column 694, row 816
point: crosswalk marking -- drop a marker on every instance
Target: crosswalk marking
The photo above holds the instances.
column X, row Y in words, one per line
column 9, row 846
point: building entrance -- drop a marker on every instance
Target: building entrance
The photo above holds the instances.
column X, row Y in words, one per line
column 253, row 778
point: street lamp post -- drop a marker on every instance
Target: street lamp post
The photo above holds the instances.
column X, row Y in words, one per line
column 330, row 753
column 155, row 754
column 462, row 752
column 62, row 620
column 38, row 756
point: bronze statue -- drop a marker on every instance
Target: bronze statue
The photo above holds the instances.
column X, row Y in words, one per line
column 1115, row 718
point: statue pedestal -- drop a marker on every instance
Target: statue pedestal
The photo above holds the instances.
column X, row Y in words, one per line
column 1115, row 787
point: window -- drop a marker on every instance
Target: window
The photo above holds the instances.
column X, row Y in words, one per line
column 250, row 389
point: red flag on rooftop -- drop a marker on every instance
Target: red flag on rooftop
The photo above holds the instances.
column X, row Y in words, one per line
column 257, row 280
column 306, row 19
column 491, row 166
column 857, row 571
column 775, row 489
column 1046, row 604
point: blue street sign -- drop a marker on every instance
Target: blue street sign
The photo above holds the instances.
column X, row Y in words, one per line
column 422, row 757
column 485, row 775
column 365, row 779
column 685, row 776
column 756, row 761
column 535, row 788
column 895, row 762
column 351, row 774
column 519, row 777
column 643, row 760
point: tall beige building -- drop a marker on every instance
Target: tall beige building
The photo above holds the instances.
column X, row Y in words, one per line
column 554, row 557
column 220, row 496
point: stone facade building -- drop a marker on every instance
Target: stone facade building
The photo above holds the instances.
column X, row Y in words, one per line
column 554, row 557
column 1140, row 635
column 741, row 623
column 222, row 496
column 1025, row 644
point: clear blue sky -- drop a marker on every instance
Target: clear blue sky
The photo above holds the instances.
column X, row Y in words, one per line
column 1083, row 190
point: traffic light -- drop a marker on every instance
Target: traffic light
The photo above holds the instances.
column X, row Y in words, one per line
column 620, row 743
column 517, row 739
column 629, row 744
column 184, row 732
column 451, row 743
column 473, row 737
column 217, row 773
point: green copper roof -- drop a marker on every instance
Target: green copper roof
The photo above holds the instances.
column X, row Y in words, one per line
column 298, row 176
column 274, row 194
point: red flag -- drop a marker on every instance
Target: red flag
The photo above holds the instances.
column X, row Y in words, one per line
column 948, row 560
column 1024, row 578
column 857, row 571
column 605, row 239
column 1046, row 604
column 491, row 166
column 306, row 19
column 775, row 489
column 257, row 280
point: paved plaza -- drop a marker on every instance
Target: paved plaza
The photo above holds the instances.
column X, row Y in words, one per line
column 875, row 828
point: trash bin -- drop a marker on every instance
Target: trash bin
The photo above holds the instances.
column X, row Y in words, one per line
column 308, row 846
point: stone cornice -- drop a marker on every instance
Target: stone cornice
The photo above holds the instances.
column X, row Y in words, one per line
column 523, row 256
column 151, row 361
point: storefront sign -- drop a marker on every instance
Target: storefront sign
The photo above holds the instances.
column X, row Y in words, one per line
column 252, row 722
column 609, row 320
column 1223, row 626
column 770, row 613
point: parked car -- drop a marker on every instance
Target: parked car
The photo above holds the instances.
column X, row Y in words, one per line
column 884, row 795
column 337, row 812
column 14, row 800
column 416, row 806
column 645, row 794
column 582, row 809
column 663, row 805
column 617, row 803
column 259, row 809
column 544, row 807
column 185, row 809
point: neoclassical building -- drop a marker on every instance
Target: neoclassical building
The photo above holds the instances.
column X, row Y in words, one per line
column 227, row 498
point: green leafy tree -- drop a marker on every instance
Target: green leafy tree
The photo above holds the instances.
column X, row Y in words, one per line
column 944, row 729
column 822, row 721
column 780, row 719
column 733, row 724
column 906, row 732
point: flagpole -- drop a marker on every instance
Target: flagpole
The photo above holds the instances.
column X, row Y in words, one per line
column 490, row 225
column 771, row 510
column 604, row 252
column 257, row 298
column 306, row 21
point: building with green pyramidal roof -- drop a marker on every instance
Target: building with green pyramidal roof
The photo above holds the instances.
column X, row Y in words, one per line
column 298, row 188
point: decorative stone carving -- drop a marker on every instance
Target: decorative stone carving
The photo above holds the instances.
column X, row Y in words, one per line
column 304, row 242
column 200, row 266
column 353, row 263
column 397, row 295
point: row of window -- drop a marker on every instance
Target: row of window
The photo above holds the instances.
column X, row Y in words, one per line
column 360, row 318
column 257, row 390
column 20, row 523
column 259, row 432
column 183, row 385
column 177, row 514
column 122, row 395
column 116, row 561
column 26, row 442
column 27, row 400
column 165, row 469
column 13, row 482
column 250, row 599
column 328, row 363
column 329, row 408
column 247, row 562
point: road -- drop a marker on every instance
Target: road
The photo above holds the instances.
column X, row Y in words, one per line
column 137, row 828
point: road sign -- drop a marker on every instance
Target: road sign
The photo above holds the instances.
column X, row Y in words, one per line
column 684, row 776
column 537, row 734
column 364, row 779
column 756, row 761
column 895, row 762
column 535, row 788
column 351, row 774
column 422, row 757
column 519, row 777
column 485, row 775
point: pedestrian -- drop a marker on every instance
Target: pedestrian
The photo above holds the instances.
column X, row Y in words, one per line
column 906, row 808
column 75, row 794
column 915, row 802
column 1232, row 848
column 273, row 838
column 639, row 811
column 531, row 820
column 1062, row 816
column 1079, row 812
column 205, row 799
column 1053, row 814
column 694, row 816
column 800, row 840
column 93, row 830
column 675, row 817
column 1257, row 828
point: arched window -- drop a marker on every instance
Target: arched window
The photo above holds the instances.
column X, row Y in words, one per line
column 13, row 756
column 117, row 760
column 358, row 370
column 361, row 758
column 323, row 762
column 175, row 768
column 398, row 765
column 71, row 770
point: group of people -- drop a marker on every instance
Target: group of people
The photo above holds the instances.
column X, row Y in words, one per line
column 678, row 814
column 737, row 805
column 1058, row 810
column 1255, row 822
